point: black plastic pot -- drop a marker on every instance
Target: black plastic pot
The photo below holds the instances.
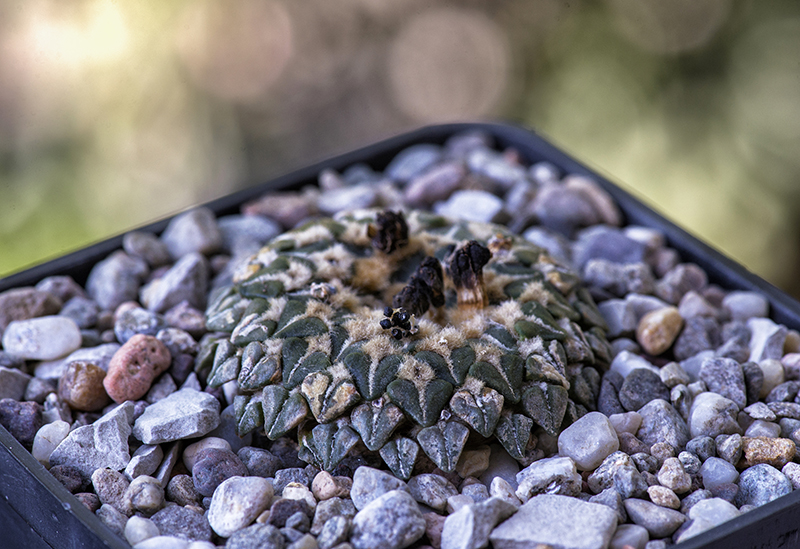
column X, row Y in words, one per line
column 37, row 511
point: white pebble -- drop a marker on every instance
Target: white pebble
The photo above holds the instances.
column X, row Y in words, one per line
column 163, row 542
column 761, row 428
column 716, row 471
column 773, row 375
column 47, row 438
column 628, row 422
column 297, row 491
column 237, row 502
column 43, row 338
column 138, row 529
column 629, row 535
column 745, row 305
column 589, row 441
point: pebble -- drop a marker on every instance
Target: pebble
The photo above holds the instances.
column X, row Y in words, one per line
column 299, row 492
column 620, row 317
column 603, row 242
column 330, row 508
column 588, row 441
column 146, row 246
column 707, row 514
column 550, row 520
column 640, row 387
column 699, row 334
column 391, row 521
column 745, row 305
column 662, row 423
column 712, row 414
column 761, row 428
column 660, row 522
column 13, row 383
column 144, row 461
column 436, row 184
column 283, row 509
column 657, row 330
column 326, row 486
column 190, row 453
column 335, row 531
column 555, row 244
column 370, row 483
column 112, row 518
column 627, row 422
column 101, row 444
column 470, row 526
column 729, row 447
column 82, row 310
column 136, row 320
column 183, row 414
column 761, row 484
column 471, row 205
column 116, row 280
column 134, row 367
column 766, row 339
column 237, row 502
column 664, row 497
column 110, row 487
column 144, row 495
column 245, row 234
column 259, row 462
column 474, row 462
column 773, row 375
column 725, row 377
column 256, row 536
column 772, row 451
column 81, row 386
column 495, row 166
column 284, row 477
column 187, row 280
column 431, row 490
column 163, row 542
column 213, row 466
column 500, row 488
column 694, row 304
column 412, row 161
column 356, row 197
column 26, row 303
column 792, row 472
column 478, row 492
column 180, row 490
column 138, row 529
column 555, row 475
column 187, row 318
column 42, row 338
column 682, row 278
column 563, row 209
column 183, row 523
column 47, row 439
column 716, row 471
column 629, row 536
column 192, row 231
column 287, row 208
column 760, row 411
column 673, row 476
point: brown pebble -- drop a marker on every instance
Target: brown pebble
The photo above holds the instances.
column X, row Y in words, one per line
column 658, row 329
column 772, row 451
column 434, row 524
column 326, row 486
column 90, row 500
column 81, row 386
column 25, row 303
column 134, row 367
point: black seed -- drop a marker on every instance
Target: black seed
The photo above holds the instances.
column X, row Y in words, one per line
column 386, row 323
column 397, row 334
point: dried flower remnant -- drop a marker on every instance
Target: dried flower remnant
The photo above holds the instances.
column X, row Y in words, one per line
column 389, row 232
column 310, row 348
column 465, row 269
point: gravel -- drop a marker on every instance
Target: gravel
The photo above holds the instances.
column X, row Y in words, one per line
column 701, row 390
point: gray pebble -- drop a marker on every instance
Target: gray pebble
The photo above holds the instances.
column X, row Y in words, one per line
column 478, row 492
column 42, row 338
column 13, row 383
column 291, row 474
column 299, row 522
column 766, row 339
column 138, row 529
column 745, row 305
column 110, row 487
column 729, row 447
column 555, row 475
column 494, row 166
column 471, row 205
column 369, row 484
column 412, row 161
column 611, row 244
column 470, row 526
column 144, row 461
column 620, row 317
column 137, row 321
column 183, row 414
column 629, row 535
column 36, row 390
column 144, row 495
column 436, row 184
column 691, row 500
column 101, row 444
column 116, row 279
column 347, row 198
column 335, row 531
column 245, row 234
column 556, row 245
column 256, row 536
column 550, row 519
column 146, row 246
column 761, row 484
column 711, row 415
column 618, row 279
column 259, row 462
column 707, row 514
column 681, row 279
column 162, row 388
column 181, row 490
column 640, row 387
column 112, row 518
column 716, row 471
column 82, row 310
column 563, row 209
column 662, row 423
column 329, row 508
column 391, row 521
column 192, row 231
column 61, row 287
column 724, row 376
column 431, row 490
column 659, row 521
column 182, row 522
column 699, row 334
column 612, row 499
column 187, row 280
column 215, row 465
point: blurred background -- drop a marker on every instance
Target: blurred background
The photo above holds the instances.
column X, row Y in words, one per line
column 114, row 113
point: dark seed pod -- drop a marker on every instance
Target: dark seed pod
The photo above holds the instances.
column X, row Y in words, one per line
column 465, row 269
column 390, row 231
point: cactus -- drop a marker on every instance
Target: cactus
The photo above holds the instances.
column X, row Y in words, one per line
column 385, row 329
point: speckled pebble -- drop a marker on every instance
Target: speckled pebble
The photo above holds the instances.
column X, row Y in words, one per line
column 673, row 476
column 182, row 522
column 471, row 205
column 42, row 338
column 761, row 484
column 657, row 330
column 659, row 521
column 213, row 466
column 116, row 279
column 664, row 497
column 432, row 490
column 22, row 419
column 391, row 521
column 144, row 461
column 326, row 486
column 773, row 451
column 13, row 383
column 146, row 246
column 370, row 483
column 110, row 487
column 237, row 502
column 134, row 367
column 25, row 303
column 81, row 386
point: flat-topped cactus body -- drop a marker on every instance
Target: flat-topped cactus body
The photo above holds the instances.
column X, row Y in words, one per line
column 306, row 345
